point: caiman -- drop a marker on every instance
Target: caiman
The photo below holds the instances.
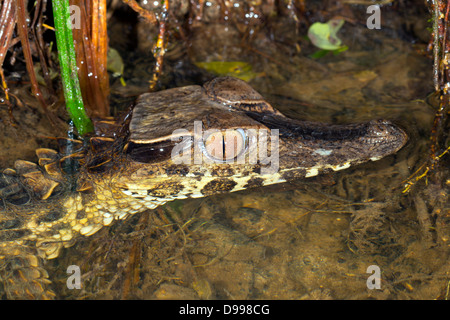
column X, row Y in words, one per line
column 184, row 142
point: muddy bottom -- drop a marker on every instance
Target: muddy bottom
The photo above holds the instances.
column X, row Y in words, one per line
column 320, row 238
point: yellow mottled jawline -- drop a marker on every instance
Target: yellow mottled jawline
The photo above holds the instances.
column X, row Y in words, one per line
column 314, row 171
column 192, row 188
column 108, row 205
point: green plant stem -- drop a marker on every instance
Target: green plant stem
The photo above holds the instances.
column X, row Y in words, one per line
column 68, row 66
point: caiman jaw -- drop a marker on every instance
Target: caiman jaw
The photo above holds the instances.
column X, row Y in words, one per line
column 44, row 206
column 305, row 149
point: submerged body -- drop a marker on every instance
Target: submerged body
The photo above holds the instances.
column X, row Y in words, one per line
column 178, row 143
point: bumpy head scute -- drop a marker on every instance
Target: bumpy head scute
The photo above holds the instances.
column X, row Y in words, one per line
column 237, row 94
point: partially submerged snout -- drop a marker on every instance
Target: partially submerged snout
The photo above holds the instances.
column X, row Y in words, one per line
column 384, row 138
column 311, row 147
column 195, row 122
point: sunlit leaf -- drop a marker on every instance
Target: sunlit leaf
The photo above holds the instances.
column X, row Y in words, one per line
column 323, row 35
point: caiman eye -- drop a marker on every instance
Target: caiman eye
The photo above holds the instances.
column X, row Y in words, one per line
column 225, row 145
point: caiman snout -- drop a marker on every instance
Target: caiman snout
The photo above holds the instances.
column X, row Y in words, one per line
column 384, row 137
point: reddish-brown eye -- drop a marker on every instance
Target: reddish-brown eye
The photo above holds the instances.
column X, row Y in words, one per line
column 225, row 145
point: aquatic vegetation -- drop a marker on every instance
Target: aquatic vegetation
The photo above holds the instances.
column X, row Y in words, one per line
column 68, row 64
column 238, row 69
column 115, row 64
column 324, row 36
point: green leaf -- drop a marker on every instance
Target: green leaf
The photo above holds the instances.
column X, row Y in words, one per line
column 319, row 54
column 115, row 63
column 323, row 35
column 341, row 49
column 68, row 66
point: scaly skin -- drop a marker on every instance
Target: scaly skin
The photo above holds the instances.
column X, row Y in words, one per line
column 47, row 206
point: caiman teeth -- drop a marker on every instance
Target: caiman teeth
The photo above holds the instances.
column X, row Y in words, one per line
column 341, row 166
column 311, row 172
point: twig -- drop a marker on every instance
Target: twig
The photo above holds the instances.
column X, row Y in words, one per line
column 160, row 47
column 147, row 15
column 36, row 27
column 22, row 29
column 7, row 23
column 436, row 45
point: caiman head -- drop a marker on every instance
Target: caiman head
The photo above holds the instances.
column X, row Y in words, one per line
column 186, row 142
column 223, row 137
